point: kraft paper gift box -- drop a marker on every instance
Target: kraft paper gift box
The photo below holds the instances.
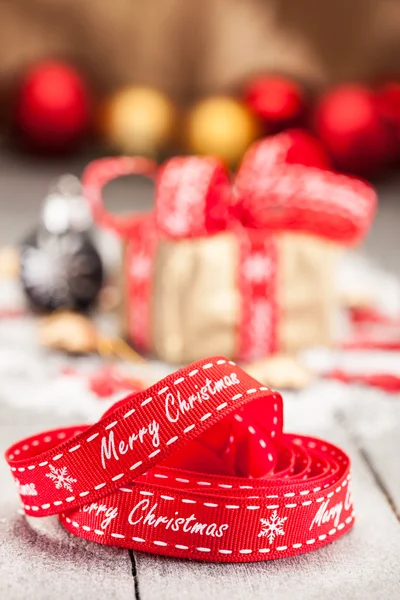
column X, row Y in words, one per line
column 195, row 301
column 242, row 270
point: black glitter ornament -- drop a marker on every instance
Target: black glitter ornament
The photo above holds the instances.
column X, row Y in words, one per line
column 60, row 267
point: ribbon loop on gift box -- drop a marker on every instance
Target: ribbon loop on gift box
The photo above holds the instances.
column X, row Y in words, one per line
column 196, row 466
column 104, row 170
column 193, row 197
column 276, row 195
column 297, row 198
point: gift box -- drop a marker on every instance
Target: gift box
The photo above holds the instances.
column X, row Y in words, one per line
column 243, row 268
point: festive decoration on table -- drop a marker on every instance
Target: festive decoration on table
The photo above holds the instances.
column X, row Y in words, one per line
column 280, row 371
column 248, row 270
column 53, row 106
column 320, row 202
column 77, row 334
column 368, row 355
column 108, row 380
column 138, row 120
column 258, row 493
column 388, row 382
column 348, row 122
column 278, row 101
column 221, row 126
column 60, row 267
column 373, row 330
column 116, row 347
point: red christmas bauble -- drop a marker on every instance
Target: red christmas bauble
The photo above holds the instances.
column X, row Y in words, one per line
column 306, row 149
column 53, row 106
column 277, row 101
column 348, row 123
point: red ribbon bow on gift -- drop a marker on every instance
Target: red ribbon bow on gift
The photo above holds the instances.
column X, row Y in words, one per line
column 194, row 195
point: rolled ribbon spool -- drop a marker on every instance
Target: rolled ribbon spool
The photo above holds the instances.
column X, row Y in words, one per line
column 196, row 466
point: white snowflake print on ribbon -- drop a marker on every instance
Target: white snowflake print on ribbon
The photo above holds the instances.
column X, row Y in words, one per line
column 61, row 478
column 177, row 224
column 257, row 268
column 141, row 267
column 260, row 328
column 272, row 527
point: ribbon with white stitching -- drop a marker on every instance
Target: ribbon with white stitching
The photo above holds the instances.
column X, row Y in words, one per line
column 196, row 466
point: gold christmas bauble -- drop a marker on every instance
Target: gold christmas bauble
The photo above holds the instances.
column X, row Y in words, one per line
column 137, row 120
column 221, row 126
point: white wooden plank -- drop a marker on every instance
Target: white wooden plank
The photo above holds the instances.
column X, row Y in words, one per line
column 38, row 558
column 364, row 564
column 373, row 417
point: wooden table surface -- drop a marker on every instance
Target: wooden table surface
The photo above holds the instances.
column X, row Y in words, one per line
column 39, row 560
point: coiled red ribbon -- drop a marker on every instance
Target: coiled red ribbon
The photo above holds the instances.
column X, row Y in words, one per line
column 197, row 466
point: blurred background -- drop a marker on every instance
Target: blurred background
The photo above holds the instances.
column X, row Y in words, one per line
column 81, row 80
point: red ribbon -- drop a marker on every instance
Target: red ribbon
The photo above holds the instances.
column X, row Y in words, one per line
column 197, row 466
column 193, row 197
column 388, row 382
